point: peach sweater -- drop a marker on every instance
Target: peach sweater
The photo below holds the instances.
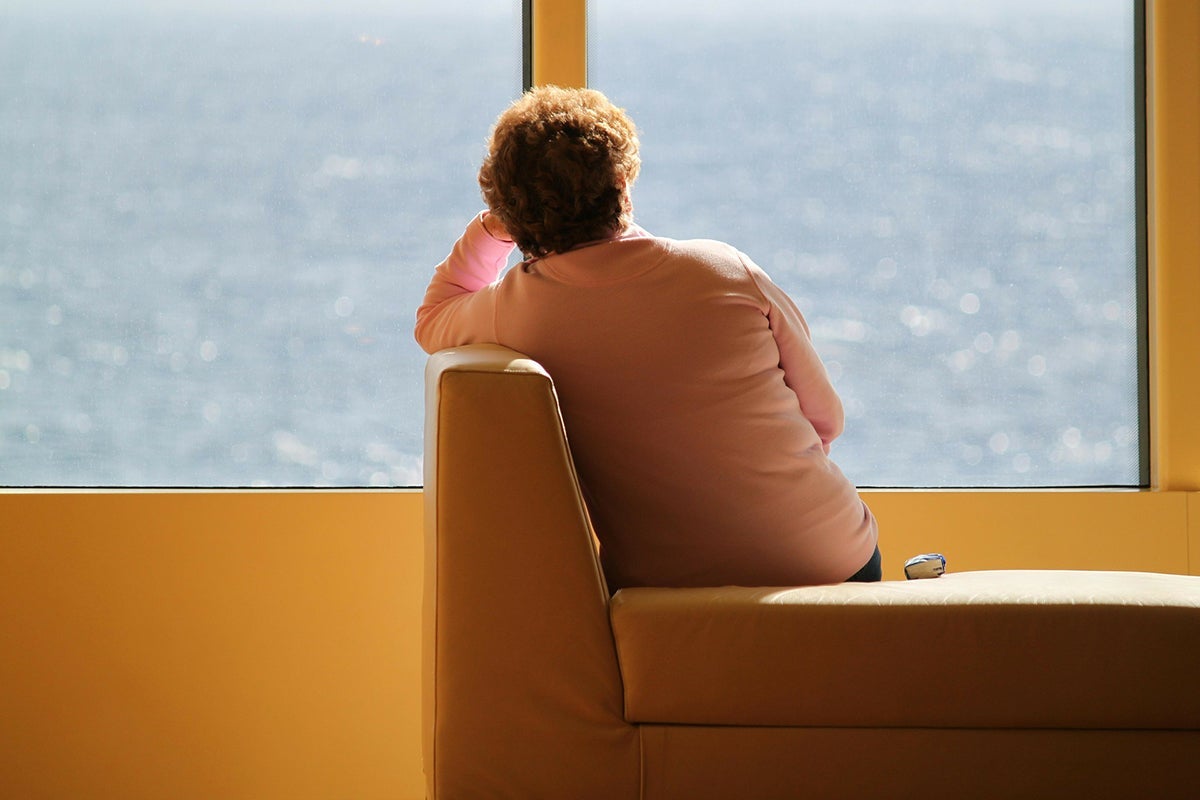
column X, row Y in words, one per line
column 698, row 412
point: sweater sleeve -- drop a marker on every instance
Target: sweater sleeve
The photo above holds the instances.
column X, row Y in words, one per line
column 803, row 371
column 460, row 303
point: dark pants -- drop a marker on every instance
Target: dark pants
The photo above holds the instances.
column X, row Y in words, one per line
column 873, row 571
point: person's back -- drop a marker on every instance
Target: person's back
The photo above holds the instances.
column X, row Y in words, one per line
column 698, row 412
column 696, row 460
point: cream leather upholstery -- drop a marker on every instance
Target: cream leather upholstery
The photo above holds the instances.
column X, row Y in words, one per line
column 539, row 685
column 968, row 650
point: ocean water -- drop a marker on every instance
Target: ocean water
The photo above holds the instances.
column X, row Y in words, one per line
column 215, row 229
column 215, row 232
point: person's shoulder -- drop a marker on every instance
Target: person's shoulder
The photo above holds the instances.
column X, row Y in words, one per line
column 720, row 258
column 704, row 247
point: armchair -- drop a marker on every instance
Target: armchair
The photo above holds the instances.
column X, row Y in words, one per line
column 538, row 684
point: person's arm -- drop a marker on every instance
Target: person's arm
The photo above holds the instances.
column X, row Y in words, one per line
column 803, row 371
column 459, row 306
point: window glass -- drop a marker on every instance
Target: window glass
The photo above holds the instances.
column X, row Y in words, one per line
column 948, row 190
column 216, row 221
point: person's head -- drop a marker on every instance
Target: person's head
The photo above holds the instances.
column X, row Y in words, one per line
column 558, row 169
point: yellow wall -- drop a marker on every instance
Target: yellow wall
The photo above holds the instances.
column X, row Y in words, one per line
column 210, row 645
column 265, row 644
column 1143, row 531
column 1193, row 519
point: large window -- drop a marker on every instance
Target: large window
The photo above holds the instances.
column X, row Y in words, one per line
column 950, row 190
column 218, row 218
column 216, row 222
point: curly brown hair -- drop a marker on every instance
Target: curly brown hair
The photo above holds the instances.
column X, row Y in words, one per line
column 558, row 164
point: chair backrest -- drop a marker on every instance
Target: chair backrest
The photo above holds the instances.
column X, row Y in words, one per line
column 522, row 694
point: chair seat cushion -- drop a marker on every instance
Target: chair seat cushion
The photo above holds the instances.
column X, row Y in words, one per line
column 1016, row 649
